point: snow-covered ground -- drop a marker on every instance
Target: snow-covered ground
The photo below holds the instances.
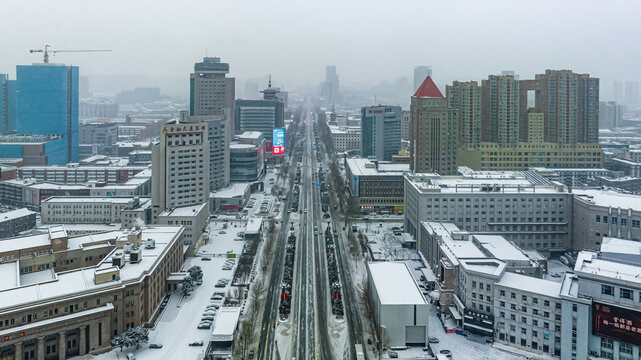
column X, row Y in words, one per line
column 177, row 325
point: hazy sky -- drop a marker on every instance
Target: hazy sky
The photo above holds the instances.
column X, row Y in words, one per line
column 368, row 41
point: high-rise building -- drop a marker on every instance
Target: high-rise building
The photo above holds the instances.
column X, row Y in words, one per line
column 569, row 102
column 536, row 128
column 261, row 115
column 466, row 98
column 380, row 131
column 180, row 165
column 7, row 105
column 217, row 129
column 47, row 103
column 631, row 93
column 330, row 88
column 406, row 116
column 420, row 73
column 210, row 90
column 434, row 131
column 500, row 121
column 610, row 115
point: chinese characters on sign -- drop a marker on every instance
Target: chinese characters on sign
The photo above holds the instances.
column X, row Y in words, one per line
column 616, row 322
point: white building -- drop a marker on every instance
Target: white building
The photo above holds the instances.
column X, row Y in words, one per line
column 345, row 138
column 527, row 313
column 376, row 186
column 400, row 310
column 523, row 208
column 87, row 209
column 180, row 166
column 194, row 218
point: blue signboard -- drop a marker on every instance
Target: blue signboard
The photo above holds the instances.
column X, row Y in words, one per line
column 278, row 140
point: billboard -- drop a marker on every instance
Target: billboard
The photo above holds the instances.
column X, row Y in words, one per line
column 616, row 323
column 278, row 141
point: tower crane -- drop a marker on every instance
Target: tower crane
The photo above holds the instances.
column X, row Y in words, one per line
column 46, row 52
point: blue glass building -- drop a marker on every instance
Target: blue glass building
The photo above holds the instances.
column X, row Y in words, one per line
column 47, row 104
column 7, row 105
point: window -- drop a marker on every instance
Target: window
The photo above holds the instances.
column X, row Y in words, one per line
column 636, row 223
column 607, row 290
column 626, row 294
column 546, row 303
column 502, row 293
column 598, row 218
column 574, row 308
column 625, row 348
column 513, row 295
column 607, row 343
column 523, row 297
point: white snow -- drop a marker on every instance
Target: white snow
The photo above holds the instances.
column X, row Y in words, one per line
column 394, row 283
column 530, row 284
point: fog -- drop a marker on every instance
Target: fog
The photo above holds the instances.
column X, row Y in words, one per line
column 369, row 41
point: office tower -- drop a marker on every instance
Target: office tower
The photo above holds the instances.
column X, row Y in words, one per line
column 261, row 115
column 218, row 150
column 500, row 119
column 47, row 104
column 569, row 102
column 434, row 131
column 610, row 115
column 466, row 97
column 380, row 131
column 535, row 127
column 180, row 165
column 406, row 116
column 7, row 105
column 251, row 90
column 420, row 73
column 330, row 90
column 631, row 93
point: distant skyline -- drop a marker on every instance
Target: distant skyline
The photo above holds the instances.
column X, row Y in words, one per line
column 368, row 41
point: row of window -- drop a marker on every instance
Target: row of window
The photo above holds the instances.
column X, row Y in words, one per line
column 615, row 220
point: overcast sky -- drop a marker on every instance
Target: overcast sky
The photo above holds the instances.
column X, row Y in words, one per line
column 369, row 41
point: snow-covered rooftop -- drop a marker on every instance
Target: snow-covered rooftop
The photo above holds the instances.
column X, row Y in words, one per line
column 453, row 249
column 588, row 263
column 88, row 199
column 366, row 167
column 481, row 182
column 226, row 322
column 24, row 242
column 620, row 246
column 500, row 248
column 232, row 191
column 192, row 210
column 15, row 214
column 394, row 283
column 491, row 267
column 609, row 198
column 530, row 284
column 253, row 225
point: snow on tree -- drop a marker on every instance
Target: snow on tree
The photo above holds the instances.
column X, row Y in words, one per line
column 132, row 337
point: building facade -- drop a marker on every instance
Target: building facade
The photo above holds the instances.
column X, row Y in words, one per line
column 47, row 103
column 211, row 91
column 501, row 109
column 380, row 132
column 180, row 166
column 434, row 132
column 7, row 105
column 376, row 187
column 405, row 124
column 345, row 138
column 466, row 98
column 88, row 210
column 14, row 222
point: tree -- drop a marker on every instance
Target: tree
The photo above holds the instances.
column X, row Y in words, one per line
column 187, row 285
column 132, row 337
column 195, row 272
column 244, row 340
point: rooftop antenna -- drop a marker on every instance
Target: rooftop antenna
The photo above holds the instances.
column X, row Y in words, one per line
column 270, row 81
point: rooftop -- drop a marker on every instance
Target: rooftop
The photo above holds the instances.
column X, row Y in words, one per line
column 491, row 267
column 608, row 198
column 232, row 191
column 250, row 135
column 184, row 210
column 15, row 214
column 226, row 323
column 454, row 249
column 588, row 263
column 620, row 246
column 530, row 284
column 394, row 283
column 498, row 247
column 88, row 199
column 485, row 182
column 365, row 167
column 428, row 89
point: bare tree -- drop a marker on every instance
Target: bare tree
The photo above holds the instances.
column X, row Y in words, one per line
column 244, row 341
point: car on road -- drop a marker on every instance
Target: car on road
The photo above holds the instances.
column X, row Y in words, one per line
column 393, row 355
column 155, row 346
column 196, row 343
column 305, row 211
column 446, row 353
column 433, row 340
column 205, row 258
column 203, row 326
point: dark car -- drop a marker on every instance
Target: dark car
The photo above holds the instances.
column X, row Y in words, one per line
column 155, row 346
column 196, row 343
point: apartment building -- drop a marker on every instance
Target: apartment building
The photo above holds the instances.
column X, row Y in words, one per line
column 88, row 210
column 16, row 221
column 345, row 138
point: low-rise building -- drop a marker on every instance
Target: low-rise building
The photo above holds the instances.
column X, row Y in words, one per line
column 35, row 150
column 601, row 213
column 345, row 138
column 399, row 308
column 573, row 177
column 520, row 206
column 376, row 186
column 50, row 314
column 230, row 199
column 16, row 221
column 194, row 218
column 89, row 209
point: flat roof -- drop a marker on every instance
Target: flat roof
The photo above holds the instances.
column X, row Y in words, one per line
column 89, row 199
column 394, row 283
column 530, row 284
column 502, row 181
column 192, row 210
column 24, row 242
column 621, row 246
column 609, row 198
column 365, row 167
column 15, row 214
column 253, row 225
column 454, row 249
column 588, row 263
column 250, row 135
column 235, row 190
column 492, row 267
column 500, row 248
column 68, row 283
column 226, row 322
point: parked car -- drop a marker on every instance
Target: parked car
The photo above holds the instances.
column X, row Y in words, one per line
column 205, row 258
column 433, row 340
column 202, row 326
column 196, row 343
column 155, row 346
column 393, row 355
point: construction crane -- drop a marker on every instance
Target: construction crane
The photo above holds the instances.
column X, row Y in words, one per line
column 46, row 52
